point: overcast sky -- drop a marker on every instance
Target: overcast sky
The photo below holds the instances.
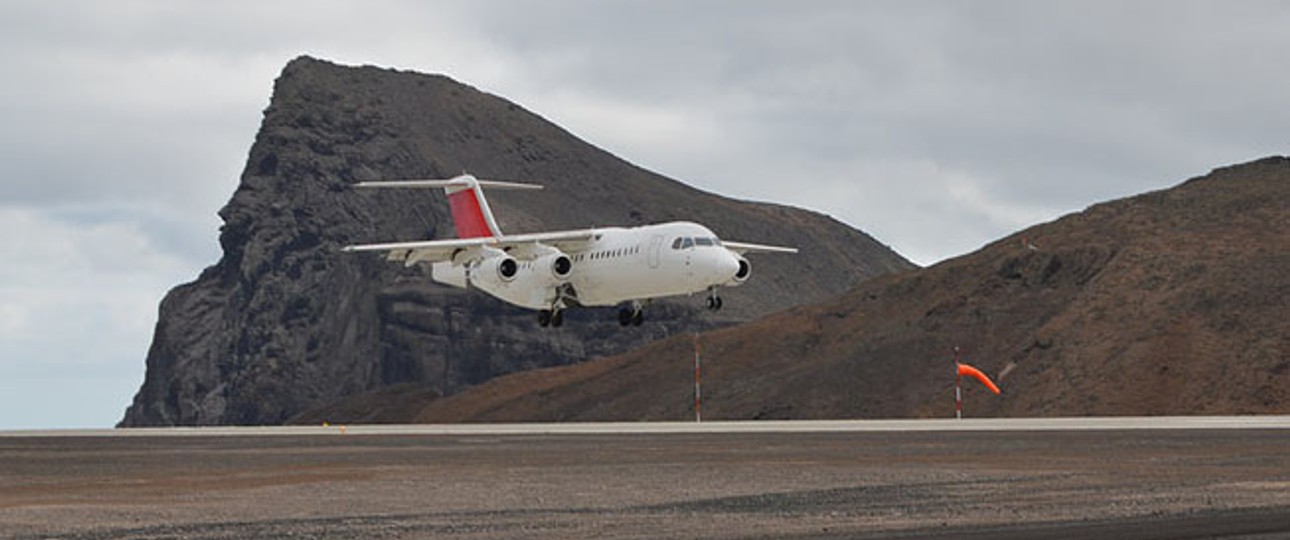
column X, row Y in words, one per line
column 934, row 126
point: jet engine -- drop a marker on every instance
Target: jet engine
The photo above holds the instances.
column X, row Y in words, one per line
column 558, row 264
column 507, row 268
column 742, row 274
column 502, row 268
column 531, row 277
column 544, row 258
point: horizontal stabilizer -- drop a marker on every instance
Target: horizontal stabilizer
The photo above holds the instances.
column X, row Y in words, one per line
column 459, row 181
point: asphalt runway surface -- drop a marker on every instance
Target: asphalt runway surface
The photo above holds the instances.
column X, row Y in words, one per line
column 1053, row 478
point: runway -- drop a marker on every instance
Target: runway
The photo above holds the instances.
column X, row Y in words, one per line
column 765, row 426
column 1218, row 477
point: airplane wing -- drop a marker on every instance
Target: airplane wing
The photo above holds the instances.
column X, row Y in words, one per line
column 743, row 247
column 566, row 241
column 425, row 250
column 433, row 251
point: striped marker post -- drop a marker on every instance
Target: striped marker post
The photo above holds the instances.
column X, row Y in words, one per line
column 958, row 398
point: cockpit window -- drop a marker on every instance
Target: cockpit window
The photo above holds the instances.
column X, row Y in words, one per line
column 687, row 242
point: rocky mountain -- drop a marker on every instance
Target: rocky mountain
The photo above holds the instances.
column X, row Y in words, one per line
column 285, row 323
column 1170, row 302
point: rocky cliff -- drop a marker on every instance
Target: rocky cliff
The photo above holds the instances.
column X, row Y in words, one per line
column 1171, row 302
column 285, row 323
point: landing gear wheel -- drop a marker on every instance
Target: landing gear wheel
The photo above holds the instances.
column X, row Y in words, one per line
column 557, row 319
column 545, row 318
column 632, row 315
column 714, row 302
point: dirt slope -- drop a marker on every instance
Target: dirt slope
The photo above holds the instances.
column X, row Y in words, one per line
column 1170, row 302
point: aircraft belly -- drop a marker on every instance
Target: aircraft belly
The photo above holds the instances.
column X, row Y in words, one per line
column 531, row 288
column 610, row 284
column 525, row 297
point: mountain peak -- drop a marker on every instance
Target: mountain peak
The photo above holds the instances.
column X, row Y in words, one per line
column 285, row 323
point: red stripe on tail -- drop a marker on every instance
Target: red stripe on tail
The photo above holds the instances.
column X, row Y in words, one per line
column 468, row 215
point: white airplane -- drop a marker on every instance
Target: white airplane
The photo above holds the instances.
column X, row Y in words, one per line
column 553, row 271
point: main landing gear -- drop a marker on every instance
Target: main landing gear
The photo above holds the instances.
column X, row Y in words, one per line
column 631, row 316
column 565, row 297
column 551, row 317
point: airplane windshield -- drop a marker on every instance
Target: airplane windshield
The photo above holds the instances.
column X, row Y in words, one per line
column 687, row 242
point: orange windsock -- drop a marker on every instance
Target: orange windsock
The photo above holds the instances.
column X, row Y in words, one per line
column 970, row 371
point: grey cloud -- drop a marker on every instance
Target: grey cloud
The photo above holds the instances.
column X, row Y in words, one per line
column 1090, row 99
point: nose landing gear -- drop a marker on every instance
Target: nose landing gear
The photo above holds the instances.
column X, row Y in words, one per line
column 714, row 301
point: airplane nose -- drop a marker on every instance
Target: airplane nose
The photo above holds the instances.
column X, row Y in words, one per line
column 728, row 266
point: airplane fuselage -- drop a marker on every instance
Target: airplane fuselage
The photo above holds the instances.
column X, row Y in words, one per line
column 618, row 265
column 552, row 271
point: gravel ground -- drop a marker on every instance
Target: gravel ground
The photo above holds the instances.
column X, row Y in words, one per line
column 1085, row 484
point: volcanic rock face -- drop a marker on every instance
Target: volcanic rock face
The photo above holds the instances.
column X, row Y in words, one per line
column 1171, row 302
column 285, row 323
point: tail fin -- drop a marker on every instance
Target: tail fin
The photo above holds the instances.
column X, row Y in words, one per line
column 470, row 212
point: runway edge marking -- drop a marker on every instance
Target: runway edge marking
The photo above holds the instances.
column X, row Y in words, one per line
column 709, row 427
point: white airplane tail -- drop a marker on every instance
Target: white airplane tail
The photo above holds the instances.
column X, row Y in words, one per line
column 470, row 212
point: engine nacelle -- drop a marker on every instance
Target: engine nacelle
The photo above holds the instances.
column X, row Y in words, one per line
column 557, row 264
column 507, row 268
column 501, row 269
column 543, row 258
column 532, row 283
column 742, row 274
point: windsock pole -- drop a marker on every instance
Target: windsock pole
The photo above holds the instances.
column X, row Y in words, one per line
column 958, row 387
column 958, row 398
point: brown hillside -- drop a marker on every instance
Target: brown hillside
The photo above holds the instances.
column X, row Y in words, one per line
column 1171, row 302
